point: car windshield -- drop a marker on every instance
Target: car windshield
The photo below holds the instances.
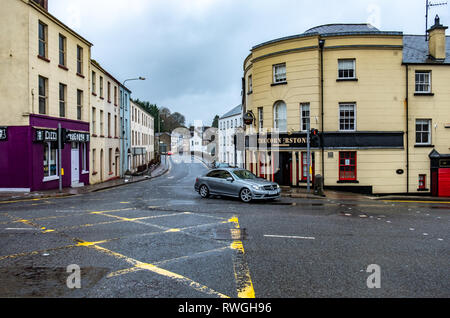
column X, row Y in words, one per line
column 244, row 174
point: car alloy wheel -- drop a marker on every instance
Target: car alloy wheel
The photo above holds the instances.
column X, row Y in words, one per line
column 246, row 195
column 204, row 192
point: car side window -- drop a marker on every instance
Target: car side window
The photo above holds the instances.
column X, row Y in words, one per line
column 214, row 174
column 225, row 175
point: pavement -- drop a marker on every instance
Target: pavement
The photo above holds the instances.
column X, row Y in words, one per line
column 288, row 192
column 55, row 193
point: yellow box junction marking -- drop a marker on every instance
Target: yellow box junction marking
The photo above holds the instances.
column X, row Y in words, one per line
column 241, row 272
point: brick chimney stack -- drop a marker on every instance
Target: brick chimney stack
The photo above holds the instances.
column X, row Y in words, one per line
column 436, row 43
column 42, row 3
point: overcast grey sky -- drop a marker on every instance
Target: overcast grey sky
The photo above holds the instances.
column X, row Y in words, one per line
column 192, row 51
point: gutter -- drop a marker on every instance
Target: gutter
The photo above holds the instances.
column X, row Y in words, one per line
column 407, row 128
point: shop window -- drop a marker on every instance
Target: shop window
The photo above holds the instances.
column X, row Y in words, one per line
column 347, row 166
column 422, row 182
column 305, row 166
column 84, row 158
column 50, row 162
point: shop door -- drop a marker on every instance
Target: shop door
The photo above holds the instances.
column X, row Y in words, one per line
column 444, row 182
column 75, row 163
column 282, row 169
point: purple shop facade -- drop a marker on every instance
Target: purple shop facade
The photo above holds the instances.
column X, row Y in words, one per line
column 29, row 155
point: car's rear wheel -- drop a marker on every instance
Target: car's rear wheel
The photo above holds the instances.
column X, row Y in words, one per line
column 204, row 191
column 245, row 195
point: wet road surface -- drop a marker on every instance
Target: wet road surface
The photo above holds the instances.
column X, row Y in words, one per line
column 158, row 238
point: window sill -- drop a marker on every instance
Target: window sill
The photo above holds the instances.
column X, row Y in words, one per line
column 347, row 80
column 423, row 190
column 94, row 135
column 84, row 172
column 43, row 58
column 347, row 181
column 102, row 98
column 423, row 94
column 80, row 75
column 63, row 67
column 93, row 94
column 423, row 146
column 48, row 179
column 94, row 173
column 249, row 93
column 280, row 83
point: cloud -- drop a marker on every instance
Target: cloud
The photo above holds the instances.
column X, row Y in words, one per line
column 191, row 51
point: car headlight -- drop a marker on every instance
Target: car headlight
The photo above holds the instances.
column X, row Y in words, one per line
column 278, row 186
column 255, row 187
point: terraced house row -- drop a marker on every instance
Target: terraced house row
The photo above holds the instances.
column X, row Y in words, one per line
column 48, row 80
column 380, row 100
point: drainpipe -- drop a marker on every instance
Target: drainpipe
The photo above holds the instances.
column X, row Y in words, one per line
column 321, row 46
column 407, row 128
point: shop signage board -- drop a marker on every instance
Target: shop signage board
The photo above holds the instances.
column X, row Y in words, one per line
column 72, row 136
column 46, row 135
column 3, row 133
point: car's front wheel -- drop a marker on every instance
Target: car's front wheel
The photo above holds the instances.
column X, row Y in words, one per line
column 204, row 191
column 245, row 195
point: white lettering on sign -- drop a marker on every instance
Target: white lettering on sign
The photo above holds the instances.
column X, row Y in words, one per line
column 2, row 133
column 51, row 135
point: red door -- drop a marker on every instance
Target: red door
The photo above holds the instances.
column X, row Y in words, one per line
column 444, row 182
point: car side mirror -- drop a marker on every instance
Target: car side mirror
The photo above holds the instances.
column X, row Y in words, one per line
column 230, row 179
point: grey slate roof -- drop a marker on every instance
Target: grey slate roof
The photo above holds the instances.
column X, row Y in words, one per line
column 415, row 50
column 336, row 29
column 342, row 28
column 235, row 111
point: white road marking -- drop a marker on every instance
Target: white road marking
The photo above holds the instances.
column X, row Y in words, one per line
column 19, row 228
column 291, row 237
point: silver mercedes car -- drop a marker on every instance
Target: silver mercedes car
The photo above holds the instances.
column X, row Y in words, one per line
column 238, row 183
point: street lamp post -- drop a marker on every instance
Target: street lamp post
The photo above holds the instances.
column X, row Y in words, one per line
column 140, row 78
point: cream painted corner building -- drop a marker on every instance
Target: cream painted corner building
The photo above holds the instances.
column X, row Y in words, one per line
column 380, row 100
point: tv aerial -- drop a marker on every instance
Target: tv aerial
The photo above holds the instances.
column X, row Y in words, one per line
column 428, row 6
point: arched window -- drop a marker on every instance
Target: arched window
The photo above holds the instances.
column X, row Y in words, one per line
column 279, row 115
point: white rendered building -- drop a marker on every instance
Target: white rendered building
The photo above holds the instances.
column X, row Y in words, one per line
column 229, row 125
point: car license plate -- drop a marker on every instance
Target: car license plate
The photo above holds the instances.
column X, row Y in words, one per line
column 272, row 192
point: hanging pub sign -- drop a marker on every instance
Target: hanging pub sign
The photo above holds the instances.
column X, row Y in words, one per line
column 73, row 136
column 46, row 135
column 3, row 133
column 248, row 118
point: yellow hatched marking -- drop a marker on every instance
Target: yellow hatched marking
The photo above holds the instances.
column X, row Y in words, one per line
column 157, row 270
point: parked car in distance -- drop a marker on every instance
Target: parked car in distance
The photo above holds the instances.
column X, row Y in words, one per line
column 170, row 153
column 237, row 183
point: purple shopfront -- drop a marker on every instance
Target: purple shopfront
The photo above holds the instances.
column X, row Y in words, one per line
column 29, row 155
